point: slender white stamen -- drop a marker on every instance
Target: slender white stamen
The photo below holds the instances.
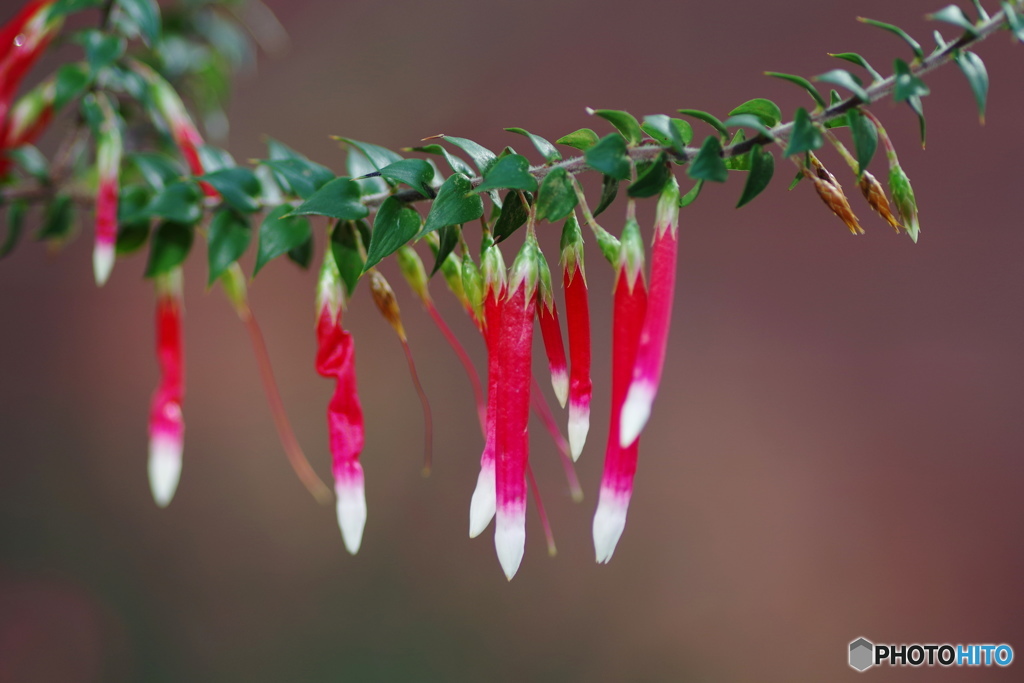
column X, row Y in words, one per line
column 102, row 262
column 609, row 521
column 579, row 425
column 636, row 410
column 481, row 506
column 560, row 383
column 164, row 467
column 510, row 539
column 351, row 512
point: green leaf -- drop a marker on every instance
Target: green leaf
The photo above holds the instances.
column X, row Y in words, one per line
column 394, row 225
column 907, row 84
column 64, row 7
column 748, row 121
column 102, row 49
column 707, row 118
column 765, row 110
column 448, row 239
column 455, row 163
column 741, row 162
column 805, row 136
column 169, row 247
column 691, row 196
column 803, row 83
column 302, row 255
column 132, row 225
column 977, row 76
column 156, row 169
column 378, row 156
column 229, row 237
column 952, row 14
column 582, row 139
column 652, row 179
column 1014, row 20
column 865, row 138
column 30, row 160
column 346, row 247
column 982, row 14
column 546, row 149
column 239, row 187
column 340, row 198
column 71, row 81
column 456, row 203
column 481, row 156
column 762, row 167
column 859, row 61
column 514, row 212
column 624, row 122
column 509, row 172
column 845, row 79
column 16, row 211
column 58, row 219
column 146, row 15
column 669, row 132
column 416, row 173
column 796, row 180
column 609, row 190
column 179, row 202
column 214, row 158
column 279, row 234
column 556, row 198
column 295, row 173
column 896, row 30
column 708, row 164
column 609, row 156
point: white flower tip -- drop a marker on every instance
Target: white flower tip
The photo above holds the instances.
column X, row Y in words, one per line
column 560, row 383
column 609, row 521
column 164, row 468
column 636, row 410
column 351, row 513
column 579, row 425
column 510, row 542
column 102, row 262
column 481, row 506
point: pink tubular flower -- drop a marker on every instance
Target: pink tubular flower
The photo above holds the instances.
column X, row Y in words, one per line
column 22, row 40
column 650, row 357
column 551, row 331
column 166, row 426
column 620, row 461
column 577, row 318
column 108, row 165
column 335, row 358
column 482, row 504
column 512, row 411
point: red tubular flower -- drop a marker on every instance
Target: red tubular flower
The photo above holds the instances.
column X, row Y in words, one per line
column 551, row 331
column 515, row 343
column 166, row 426
column 619, row 461
column 650, row 357
column 577, row 318
column 22, row 40
column 482, row 504
column 335, row 358
column 108, row 165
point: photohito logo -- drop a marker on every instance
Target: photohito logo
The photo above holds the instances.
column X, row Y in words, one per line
column 864, row 654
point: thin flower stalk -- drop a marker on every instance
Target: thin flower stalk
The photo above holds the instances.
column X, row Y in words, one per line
column 233, row 282
column 166, row 424
column 629, row 316
column 551, row 332
column 541, row 409
column 335, row 358
column 650, row 357
column 109, row 148
column 577, row 319
column 545, row 523
column 899, row 184
column 384, row 298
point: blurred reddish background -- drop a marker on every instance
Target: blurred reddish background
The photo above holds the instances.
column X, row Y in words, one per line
column 836, row 451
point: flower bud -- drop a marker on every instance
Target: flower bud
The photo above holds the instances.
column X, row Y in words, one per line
column 875, row 196
column 903, row 198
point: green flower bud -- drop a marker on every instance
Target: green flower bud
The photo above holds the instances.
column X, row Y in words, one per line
column 903, row 198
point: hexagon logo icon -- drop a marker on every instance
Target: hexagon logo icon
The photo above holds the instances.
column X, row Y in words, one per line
column 862, row 654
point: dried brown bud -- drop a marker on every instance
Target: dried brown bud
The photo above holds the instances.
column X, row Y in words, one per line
column 875, row 195
column 835, row 199
column 823, row 173
column 384, row 298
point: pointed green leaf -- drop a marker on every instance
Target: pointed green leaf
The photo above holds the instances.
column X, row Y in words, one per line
column 765, row 110
column 977, row 76
column 582, row 139
column 556, row 198
column 170, row 245
column 299, row 177
column 750, row 121
column 228, row 238
column 509, row 172
column 762, row 167
column 416, row 173
column 805, row 136
column 669, row 132
column 624, row 122
column 845, row 79
column 15, row 222
column 302, row 255
column 546, row 149
column 132, row 233
column 651, row 179
column 394, row 225
column 340, row 198
column 609, row 190
column 238, row 186
column 455, row 163
column 64, row 7
column 860, row 61
column 30, row 160
column 514, row 212
column 907, row 84
column 1014, row 20
column 156, row 169
column 279, row 234
column 865, row 138
column 708, row 164
column 609, row 157
column 71, row 81
column 101, row 49
column 377, row 156
column 896, row 30
column 803, row 83
column 741, row 162
column 456, row 203
column 448, row 239
column 214, row 158
column 146, row 15
column 346, row 246
column 691, row 196
column 952, row 14
column 707, row 118
column 58, row 219
column 179, row 202
column 481, row 156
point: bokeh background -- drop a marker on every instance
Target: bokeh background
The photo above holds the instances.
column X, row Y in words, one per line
column 836, row 451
